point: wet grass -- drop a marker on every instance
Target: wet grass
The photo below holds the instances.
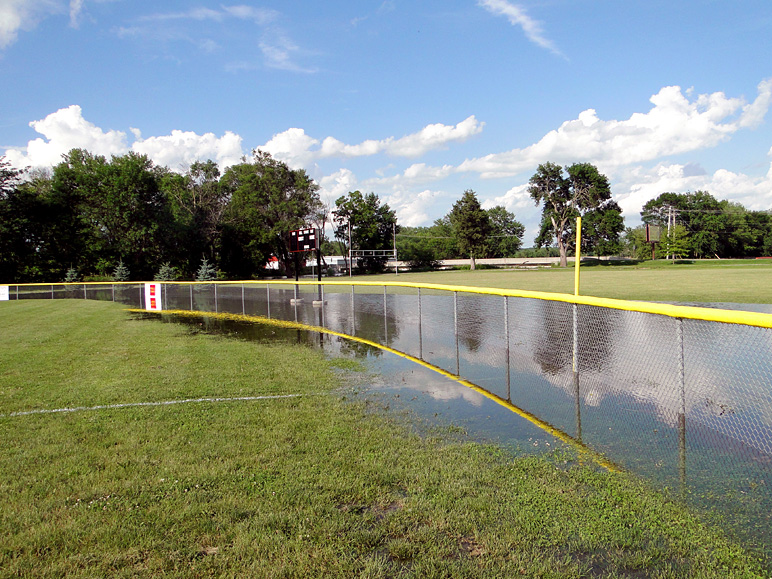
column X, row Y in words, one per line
column 738, row 281
column 322, row 485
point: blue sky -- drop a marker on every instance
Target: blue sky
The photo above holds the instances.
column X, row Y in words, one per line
column 416, row 100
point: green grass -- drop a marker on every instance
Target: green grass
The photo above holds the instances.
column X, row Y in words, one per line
column 324, row 485
column 739, row 281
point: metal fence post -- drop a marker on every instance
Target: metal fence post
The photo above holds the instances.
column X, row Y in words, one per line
column 455, row 332
column 52, row 291
column 84, row 292
column 268, row 299
column 682, row 407
column 506, row 334
column 216, row 309
column 112, row 286
column 575, row 367
column 420, row 332
column 385, row 320
column 353, row 321
column 243, row 307
column 191, row 297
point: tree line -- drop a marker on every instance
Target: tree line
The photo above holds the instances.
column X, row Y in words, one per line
column 90, row 217
column 96, row 216
column 701, row 226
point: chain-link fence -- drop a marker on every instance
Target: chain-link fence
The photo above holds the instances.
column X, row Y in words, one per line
column 682, row 396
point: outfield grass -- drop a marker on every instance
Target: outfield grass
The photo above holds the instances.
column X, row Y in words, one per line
column 314, row 486
column 738, row 281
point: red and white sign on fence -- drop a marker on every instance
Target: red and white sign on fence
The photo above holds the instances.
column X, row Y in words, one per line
column 153, row 297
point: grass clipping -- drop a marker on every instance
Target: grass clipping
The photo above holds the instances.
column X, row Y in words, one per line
column 311, row 486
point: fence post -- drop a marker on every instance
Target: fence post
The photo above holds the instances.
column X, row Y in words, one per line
column 353, row 321
column 52, row 291
column 295, row 301
column 682, row 408
column 506, row 333
column 216, row 309
column 268, row 299
column 191, row 296
column 420, row 332
column 84, row 292
column 385, row 320
column 575, row 368
column 243, row 307
column 112, row 286
column 455, row 332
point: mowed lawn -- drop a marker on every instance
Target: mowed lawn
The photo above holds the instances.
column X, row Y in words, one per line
column 324, row 484
column 737, row 281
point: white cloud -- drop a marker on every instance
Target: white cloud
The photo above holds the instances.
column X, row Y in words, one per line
column 16, row 15
column 292, row 146
column 672, row 126
column 182, row 148
column 279, row 51
column 64, row 130
column 261, row 16
column 411, row 208
column 296, row 148
column 515, row 200
column 638, row 185
column 25, row 15
column 518, row 17
column 336, row 185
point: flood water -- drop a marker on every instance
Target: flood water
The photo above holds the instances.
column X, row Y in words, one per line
column 686, row 405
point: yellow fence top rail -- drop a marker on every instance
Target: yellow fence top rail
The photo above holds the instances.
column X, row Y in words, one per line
column 684, row 312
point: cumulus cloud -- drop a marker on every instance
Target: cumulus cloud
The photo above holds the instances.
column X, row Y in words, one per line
column 411, row 208
column 182, row 148
column 296, row 148
column 64, row 130
column 515, row 200
column 336, row 185
column 673, row 125
column 638, row 185
column 517, row 16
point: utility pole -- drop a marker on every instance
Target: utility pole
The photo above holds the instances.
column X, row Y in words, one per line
column 394, row 236
column 350, row 265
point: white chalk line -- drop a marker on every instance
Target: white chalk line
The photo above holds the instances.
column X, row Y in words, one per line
column 161, row 403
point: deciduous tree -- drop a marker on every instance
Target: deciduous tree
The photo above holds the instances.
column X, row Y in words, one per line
column 267, row 201
column 581, row 190
column 372, row 226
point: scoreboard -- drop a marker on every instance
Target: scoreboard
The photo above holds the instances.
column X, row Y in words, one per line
column 304, row 240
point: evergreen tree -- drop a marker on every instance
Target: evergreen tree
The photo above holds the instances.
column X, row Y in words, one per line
column 471, row 226
column 121, row 272
column 166, row 273
column 71, row 275
column 206, row 272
